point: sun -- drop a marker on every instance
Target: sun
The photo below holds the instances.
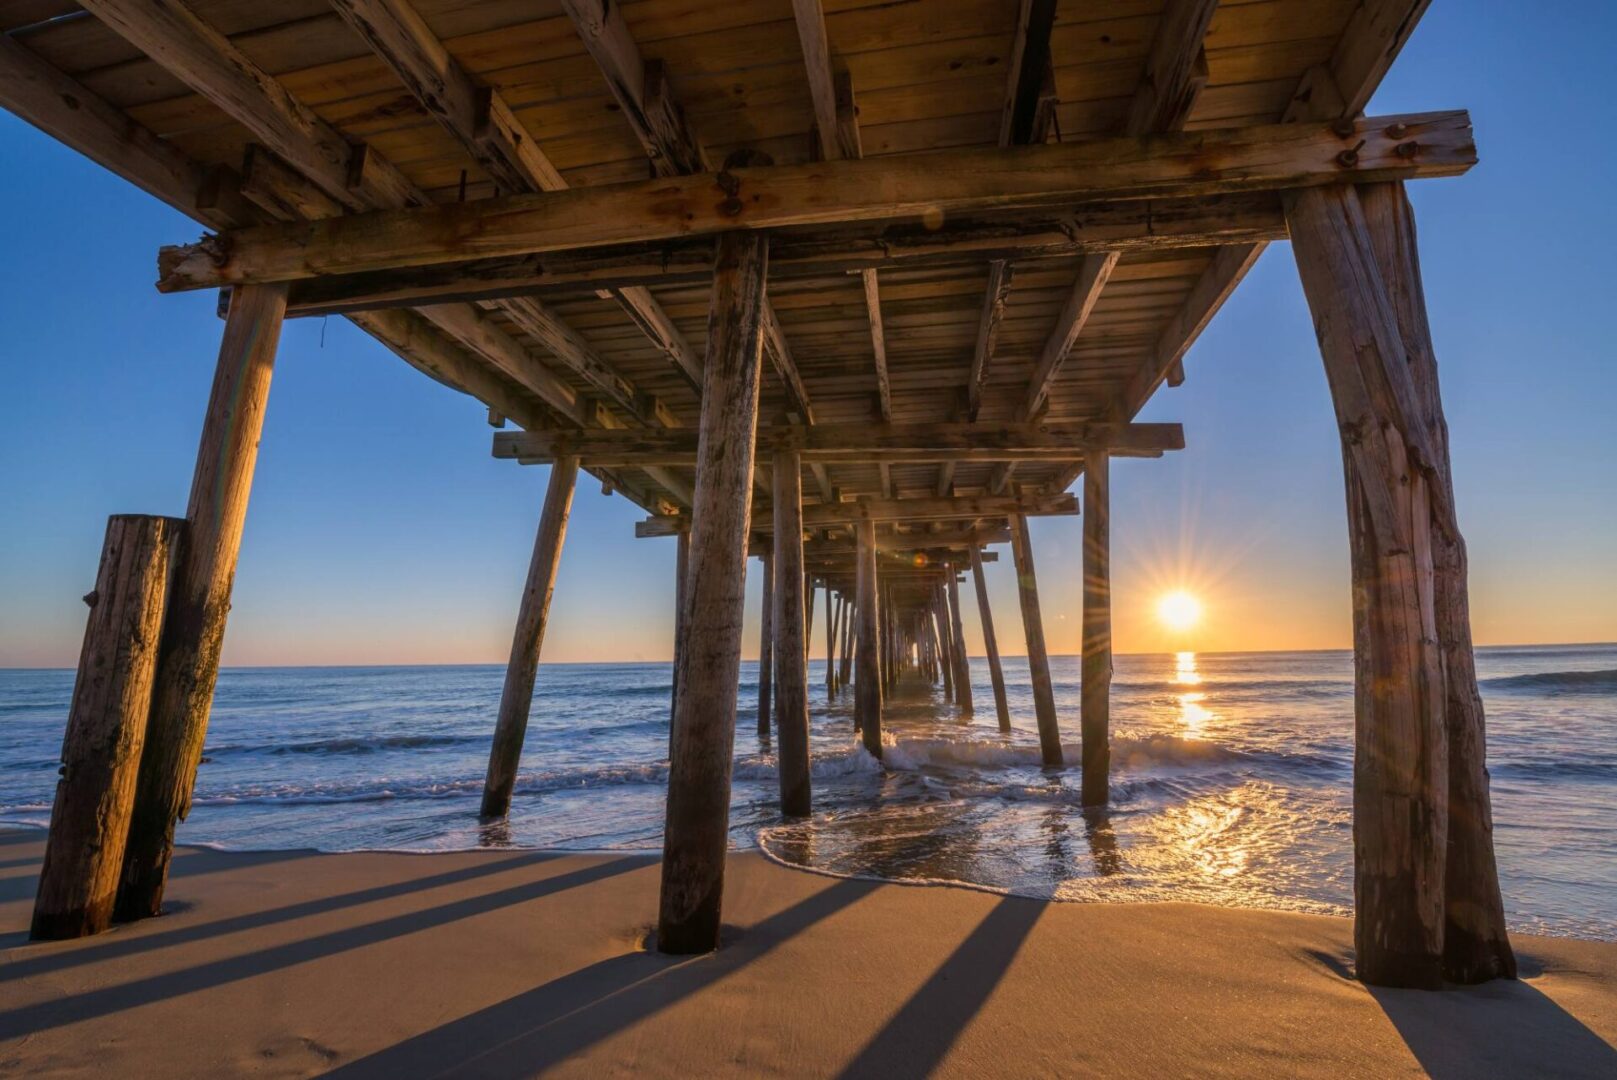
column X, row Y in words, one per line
column 1179, row 610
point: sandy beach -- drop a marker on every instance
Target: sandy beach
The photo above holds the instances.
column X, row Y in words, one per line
column 510, row 963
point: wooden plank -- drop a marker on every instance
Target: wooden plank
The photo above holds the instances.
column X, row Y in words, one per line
column 703, row 737
column 1270, row 157
column 1094, row 271
column 477, row 117
column 1173, row 77
column 835, row 141
column 641, row 90
column 533, row 615
column 106, row 729
column 1146, row 225
column 480, row 334
column 171, row 34
column 878, row 345
column 1030, row 438
column 199, row 599
column 935, row 509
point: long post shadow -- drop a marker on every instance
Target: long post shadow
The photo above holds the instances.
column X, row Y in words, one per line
column 120, row 947
column 917, row 1038
column 28, row 1019
column 525, row 1034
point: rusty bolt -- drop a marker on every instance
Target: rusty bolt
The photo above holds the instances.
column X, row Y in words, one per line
column 1344, row 128
column 728, row 183
column 731, row 206
column 1408, row 149
column 1396, row 131
column 1349, row 158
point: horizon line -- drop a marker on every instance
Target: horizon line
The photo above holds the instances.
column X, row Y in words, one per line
column 969, row 656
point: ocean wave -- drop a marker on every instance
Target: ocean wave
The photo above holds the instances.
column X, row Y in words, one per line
column 1558, row 682
column 359, row 744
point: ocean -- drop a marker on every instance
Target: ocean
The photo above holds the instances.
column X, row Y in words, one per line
column 1232, row 776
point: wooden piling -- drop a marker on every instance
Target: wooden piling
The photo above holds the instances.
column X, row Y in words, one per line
column 766, row 644
column 867, row 672
column 1401, row 769
column 962, row 676
column 106, row 728
column 792, row 738
column 1096, row 661
column 199, row 597
column 533, row 615
column 696, row 832
column 682, row 564
column 1038, row 661
column 996, row 674
column 830, row 646
column 845, row 654
column 946, row 662
column 1476, row 947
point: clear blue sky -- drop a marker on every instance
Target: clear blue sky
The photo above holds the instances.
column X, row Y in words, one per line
column 381, row 530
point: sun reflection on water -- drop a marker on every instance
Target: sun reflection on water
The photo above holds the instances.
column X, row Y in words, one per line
column 1194, row 716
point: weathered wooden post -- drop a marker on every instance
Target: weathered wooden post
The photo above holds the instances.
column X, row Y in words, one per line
column 1096, row 660
column 1396, row 504
column 522, row 670
column 830, row 644
column 199, row 598
column 946, row 662
column 845, row 655
column 696, row 832
column 682, row 563
column 995, row 673
column 1038, row 661
column 106, row 728
column 1475, row 945
column 792, row 754
column 766, row 642
column 867, row 671
column 962, row 671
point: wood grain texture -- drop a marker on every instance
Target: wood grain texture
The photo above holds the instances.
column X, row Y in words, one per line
column 106, row 728
column 1270, row 157
column 790, row 640
column 1096, row 642
column 703, row 734
column 1038, row 659
column 985, row 615
column 199, row 599
column 867, row 677
column 527, row 640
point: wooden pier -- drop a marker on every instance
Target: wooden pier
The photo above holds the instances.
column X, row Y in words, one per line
column 858, row 291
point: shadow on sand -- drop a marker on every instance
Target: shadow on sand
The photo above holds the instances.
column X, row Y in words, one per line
column 1499, row 1029
column 525, row 1034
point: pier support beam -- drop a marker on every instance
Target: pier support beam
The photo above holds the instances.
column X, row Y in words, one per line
column 996, row 674
column 703, row 738
column 1038, row 660
column 1397, row 505
column 522, row 670
column 830, row 645
column 791, row 654
column 962, row 666
column 867, row 661
column 766, row 643
column 106, row 728
column 1096, row 663
column 1475, row 945
column 199, row 597
column 682, row 565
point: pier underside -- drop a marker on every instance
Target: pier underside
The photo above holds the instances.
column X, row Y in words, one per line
column 860, row 289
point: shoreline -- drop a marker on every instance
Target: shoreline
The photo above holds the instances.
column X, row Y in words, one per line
column 509, row 962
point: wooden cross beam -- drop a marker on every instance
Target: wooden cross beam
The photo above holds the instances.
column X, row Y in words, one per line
column 908, row 186
column 965, row 508
column 852, row 442
column 961, row 240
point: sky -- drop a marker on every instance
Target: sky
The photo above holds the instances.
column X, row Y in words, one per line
column 382, row 531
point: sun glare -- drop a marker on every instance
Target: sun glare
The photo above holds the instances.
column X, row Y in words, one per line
column 1179, row 610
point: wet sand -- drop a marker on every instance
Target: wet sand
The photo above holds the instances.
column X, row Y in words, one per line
column 511, row 963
